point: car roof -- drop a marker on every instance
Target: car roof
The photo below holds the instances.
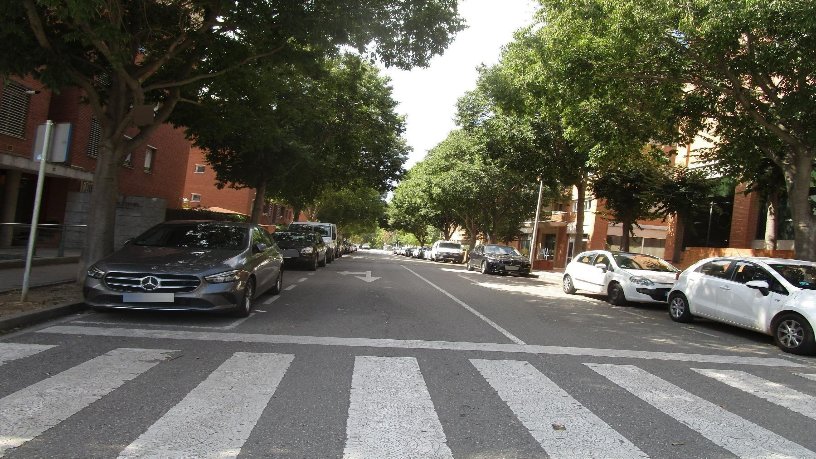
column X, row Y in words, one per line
column 766, row 260
column 208, row 222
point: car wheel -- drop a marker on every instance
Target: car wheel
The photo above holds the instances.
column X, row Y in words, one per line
column 614, row 294
column 276, row 289
column 467, row 265
column 244, row 307
column 567, row 285
column 323, row 261
column 484, row 267
column 793, row 333
column 679, row 309
column 329, row 259
column 313, row 266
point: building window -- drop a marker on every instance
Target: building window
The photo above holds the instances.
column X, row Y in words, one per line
column 199, row 169
column 14, row 109
column 148, row 162
column 93, row 139
column 195, row 197
column 587, row 205
column 128, row 162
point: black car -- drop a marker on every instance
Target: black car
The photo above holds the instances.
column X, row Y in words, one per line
column 303, row 248
column 500, row 259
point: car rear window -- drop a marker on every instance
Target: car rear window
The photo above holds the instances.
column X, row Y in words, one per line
column 195, row 236
column 450, row 245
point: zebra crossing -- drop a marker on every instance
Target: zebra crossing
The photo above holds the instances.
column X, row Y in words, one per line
column 391, row 411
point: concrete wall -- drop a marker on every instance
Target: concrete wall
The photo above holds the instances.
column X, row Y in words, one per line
column 134, row 214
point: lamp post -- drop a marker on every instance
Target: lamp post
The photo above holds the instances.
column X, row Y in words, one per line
column 35, row 218
column 535, row 223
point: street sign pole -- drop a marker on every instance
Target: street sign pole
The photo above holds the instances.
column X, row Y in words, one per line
column 535, row 224
column 35, row 218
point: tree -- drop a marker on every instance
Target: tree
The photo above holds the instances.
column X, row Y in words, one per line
column 741, row 68
column 354, row 209
column 127, row 55
column 682, row 194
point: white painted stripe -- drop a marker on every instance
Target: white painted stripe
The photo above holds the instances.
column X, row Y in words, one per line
column 773, row 392
column 215, row 418
column 29, row 412
column 501, row 330
column 238, row 322
column 291, row 287
column 563, row 427
column 417, row 344
column 726, row 429
column 807, row 375
column 271, row 300
column 302, row 279
column 391, row 414
column 14, row 351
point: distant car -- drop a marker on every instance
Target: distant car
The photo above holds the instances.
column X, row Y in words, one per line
column 329, row 232
column 447, row 251
column 621, row 276
column 500, row 259
column 772, row 296
column 366, row 246
column 188, row 266
column 302, row 248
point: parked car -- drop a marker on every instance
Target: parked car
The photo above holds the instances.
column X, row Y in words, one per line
column 447, row 251
column 188, row 265
column 302, row 248
column 621, row 276
column 329, row 232
column 501, row 259
column 772, row 296
column 365, row 246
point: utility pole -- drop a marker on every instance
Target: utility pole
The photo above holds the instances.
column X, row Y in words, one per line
column 535, row 223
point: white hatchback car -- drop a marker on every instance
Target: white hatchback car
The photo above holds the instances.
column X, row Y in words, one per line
column 773, row 296
column 621, row 276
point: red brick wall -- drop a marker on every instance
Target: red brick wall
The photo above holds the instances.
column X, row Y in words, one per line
column 744, row 218
column 37, row 115
column 204, row 184
column 166, row 177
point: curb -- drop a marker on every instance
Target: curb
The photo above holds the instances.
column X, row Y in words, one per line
column 28, row 318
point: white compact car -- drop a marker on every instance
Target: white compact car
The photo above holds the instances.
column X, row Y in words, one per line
column 773, row 296
column 621, row 276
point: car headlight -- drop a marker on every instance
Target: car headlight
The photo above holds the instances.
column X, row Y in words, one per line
column 306, row 250
column 226, row 276
column 641, row 281
column 95, row 272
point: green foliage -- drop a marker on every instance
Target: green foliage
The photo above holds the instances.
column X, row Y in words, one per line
column 355, row 210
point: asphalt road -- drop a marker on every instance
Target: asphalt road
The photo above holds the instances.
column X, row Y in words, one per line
column 378, row 356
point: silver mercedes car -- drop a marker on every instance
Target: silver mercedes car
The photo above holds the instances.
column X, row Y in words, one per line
column 188, row 266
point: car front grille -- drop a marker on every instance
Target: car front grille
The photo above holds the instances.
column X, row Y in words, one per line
column 142, row 282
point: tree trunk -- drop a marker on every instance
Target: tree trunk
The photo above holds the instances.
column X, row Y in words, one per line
column 578, row 245
column 258, row 203
column 771, row 221
column 102, row 211
column 626, row 232
column 799, row 178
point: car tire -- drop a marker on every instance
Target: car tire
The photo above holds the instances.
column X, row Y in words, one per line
column 244, row 307
column 278, row 287
column 329, row 259
column 615, row 295
column 679, row 308
column 467, row 266
column 567, row 285
column 483, row 268
column 322, row 263
column 792, row 333
column 313, row 266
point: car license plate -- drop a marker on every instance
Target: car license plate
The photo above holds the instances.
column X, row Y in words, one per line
column 148, row 297
column 511, row 268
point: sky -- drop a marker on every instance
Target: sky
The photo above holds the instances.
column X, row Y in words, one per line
column 427, row 96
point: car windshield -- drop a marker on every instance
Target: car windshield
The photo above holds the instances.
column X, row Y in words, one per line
column 287, row 239
column 450, row 245
column 643, row 262
column 802, row 276
column 195, row 236
column 500, row 250
column 322, row 229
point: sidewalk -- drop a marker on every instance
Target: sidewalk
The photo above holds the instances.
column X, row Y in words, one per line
column 47, row 268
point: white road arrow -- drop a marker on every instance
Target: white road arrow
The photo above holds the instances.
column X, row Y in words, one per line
column 367, row 277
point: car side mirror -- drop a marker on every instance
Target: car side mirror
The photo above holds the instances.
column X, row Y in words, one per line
column 760, row 285
column 259, row 247
column 602, row 267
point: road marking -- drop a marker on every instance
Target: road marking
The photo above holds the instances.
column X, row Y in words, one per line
column 415, row 344
column 732, row 432
column 807, row 375
column 773, row 392
column 215, row 418
column 290, row 287
column 14, row 351
column 501, row 330
column 562, row 426
column 391, row 413
column 29, row 412
column 702, row 332
column 302, row 279
column 367, row 276
column 271, row 300
column 238, row 322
